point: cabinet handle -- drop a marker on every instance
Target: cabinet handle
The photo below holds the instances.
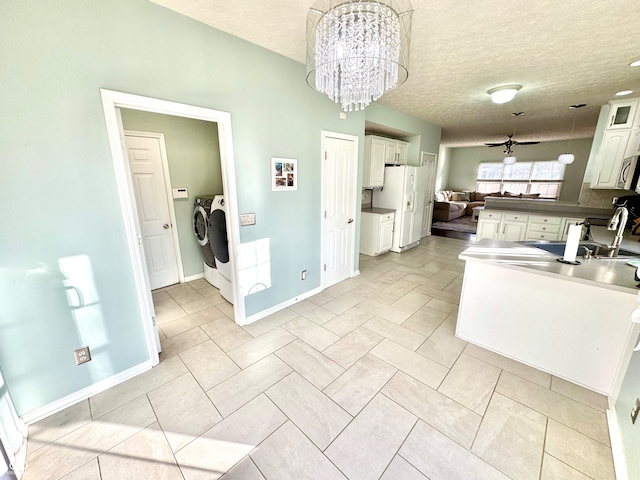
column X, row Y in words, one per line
column 504, row 229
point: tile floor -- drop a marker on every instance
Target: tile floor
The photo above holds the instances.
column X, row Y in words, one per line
column 362, row 381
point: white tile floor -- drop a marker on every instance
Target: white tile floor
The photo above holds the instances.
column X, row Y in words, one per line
column 363, row 381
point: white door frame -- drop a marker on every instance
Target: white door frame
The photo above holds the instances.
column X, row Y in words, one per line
column 433, row 185
column 342, row 136
column 112, row 100
column 168, row 192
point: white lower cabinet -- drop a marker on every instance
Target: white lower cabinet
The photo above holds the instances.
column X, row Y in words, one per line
column 544, row 228
column 376, row 232
column 514, row 227
column 518, row 226
column 489, row 224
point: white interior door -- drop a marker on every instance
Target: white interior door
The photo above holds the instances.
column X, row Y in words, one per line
column 428, row 160
column 339, row 207
column 156, row 225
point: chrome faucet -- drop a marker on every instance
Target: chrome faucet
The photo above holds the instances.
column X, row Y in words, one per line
column 619, row 221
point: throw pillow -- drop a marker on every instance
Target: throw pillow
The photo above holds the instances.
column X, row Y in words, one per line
column 441, row 197
column 460, row 196
column 529, row 195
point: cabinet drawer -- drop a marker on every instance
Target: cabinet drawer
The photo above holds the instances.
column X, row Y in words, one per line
column 533, row 235
column 546, row 220
column 484, row 214
column 516, row 217
column 385, row 217
column 544, row 228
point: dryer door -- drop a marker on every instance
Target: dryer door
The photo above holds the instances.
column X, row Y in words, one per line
column 218, row 235
column 200, row 225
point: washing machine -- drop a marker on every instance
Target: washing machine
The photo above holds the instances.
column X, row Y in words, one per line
column 201, row 211
column 219, row 245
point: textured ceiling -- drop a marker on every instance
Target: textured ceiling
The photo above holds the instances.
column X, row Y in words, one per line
column 561, row 52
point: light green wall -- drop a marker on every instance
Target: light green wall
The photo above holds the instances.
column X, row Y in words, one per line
column 61, row 202
column 463, row 164
column 193, row 155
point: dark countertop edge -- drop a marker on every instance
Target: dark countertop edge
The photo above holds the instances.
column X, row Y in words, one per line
column 546, row 207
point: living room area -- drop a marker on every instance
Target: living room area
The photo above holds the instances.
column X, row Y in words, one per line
column 468, row 175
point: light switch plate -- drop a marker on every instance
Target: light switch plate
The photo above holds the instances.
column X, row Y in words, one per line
column 247, row 219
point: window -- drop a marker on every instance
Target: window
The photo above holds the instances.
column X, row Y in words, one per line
column 544, row 178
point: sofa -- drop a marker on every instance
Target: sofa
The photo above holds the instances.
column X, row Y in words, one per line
column 450, row 205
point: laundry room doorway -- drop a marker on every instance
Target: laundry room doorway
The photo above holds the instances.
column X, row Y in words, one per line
column 112, row 103
column 147, row 155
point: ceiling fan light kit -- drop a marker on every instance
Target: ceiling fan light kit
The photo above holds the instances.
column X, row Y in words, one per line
column 357, row 49
column 510, row 160
column 566, row 158
column 504, row 94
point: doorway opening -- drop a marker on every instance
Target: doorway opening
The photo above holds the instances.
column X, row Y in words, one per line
column 112, row 101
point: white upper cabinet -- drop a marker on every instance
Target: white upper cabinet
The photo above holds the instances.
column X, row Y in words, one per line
column 610, row 159
column 620, row 140
column 379, row 151
column 622, row 114
column 375, row 151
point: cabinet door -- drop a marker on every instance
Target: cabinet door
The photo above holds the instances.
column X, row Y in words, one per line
column 633, row 145
column 402, row 151
column 386, row 236
column 513, row 231
column 374, row 163
column 392, row 152
column 621, row 115
column 566, row 223
column 610, row 159
column 488, row 228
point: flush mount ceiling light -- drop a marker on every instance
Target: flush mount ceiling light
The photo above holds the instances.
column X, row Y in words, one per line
column 357, row 50
column 504, row 94
column 624, row 92
column 635, row 64
column 568, row 158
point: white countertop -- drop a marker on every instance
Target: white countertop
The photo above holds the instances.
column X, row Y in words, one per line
column 377, row 211
column 614, row 274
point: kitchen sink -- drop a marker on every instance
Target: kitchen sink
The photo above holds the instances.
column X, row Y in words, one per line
column 557, row 248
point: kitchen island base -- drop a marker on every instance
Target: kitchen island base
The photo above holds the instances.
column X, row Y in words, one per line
column 574, row 330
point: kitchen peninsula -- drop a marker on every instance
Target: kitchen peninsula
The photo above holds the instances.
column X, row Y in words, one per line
column 571, row 321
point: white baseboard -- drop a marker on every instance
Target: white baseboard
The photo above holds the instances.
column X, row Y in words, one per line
column 619, row 463
column 191, row 278
column 280, row 306
column 101, row 386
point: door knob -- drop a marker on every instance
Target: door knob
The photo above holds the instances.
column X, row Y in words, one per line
column 165, row 226
column 350, row 220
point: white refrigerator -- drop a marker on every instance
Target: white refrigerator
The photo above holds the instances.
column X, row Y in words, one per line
column 404, row 191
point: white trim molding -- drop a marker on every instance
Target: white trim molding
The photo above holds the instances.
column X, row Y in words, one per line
column 280, row 306
column 619, row 463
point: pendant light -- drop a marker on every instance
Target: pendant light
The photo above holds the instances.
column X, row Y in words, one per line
column 568, row 158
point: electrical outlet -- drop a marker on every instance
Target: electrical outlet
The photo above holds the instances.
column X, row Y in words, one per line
column 304, row 274
column 635, row 410
column 83, row 355
column 247, row 219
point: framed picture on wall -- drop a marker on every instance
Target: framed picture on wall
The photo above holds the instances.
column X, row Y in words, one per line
column 284, row 173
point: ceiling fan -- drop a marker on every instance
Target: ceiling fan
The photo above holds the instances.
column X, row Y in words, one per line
column 509, row 143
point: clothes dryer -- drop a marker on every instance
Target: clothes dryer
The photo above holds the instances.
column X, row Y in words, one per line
column 219, row 244
column 201, row 211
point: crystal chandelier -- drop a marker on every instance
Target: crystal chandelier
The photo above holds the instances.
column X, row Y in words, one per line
column 357, row 50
